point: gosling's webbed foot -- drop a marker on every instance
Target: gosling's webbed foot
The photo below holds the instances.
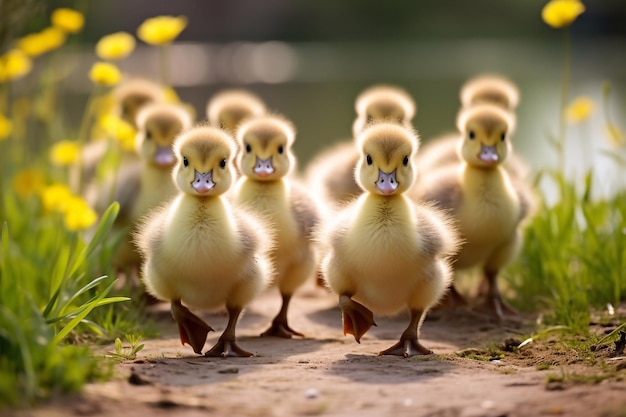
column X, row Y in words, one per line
column 226, row 349
column 192, row 329
column 281, row 328
column 407, row 348
column 357, row 319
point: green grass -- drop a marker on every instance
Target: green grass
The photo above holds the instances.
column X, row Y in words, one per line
column 574, row 256
column 46, row 292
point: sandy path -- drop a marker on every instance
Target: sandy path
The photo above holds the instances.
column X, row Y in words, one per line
column 331, row 375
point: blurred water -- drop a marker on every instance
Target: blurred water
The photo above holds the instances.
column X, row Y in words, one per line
column 315, row 84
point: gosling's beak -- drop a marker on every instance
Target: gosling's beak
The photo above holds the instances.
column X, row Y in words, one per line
column 387, row 183
column 263, row 168
column 488, row 154
column 164, row 156
column 203, row 183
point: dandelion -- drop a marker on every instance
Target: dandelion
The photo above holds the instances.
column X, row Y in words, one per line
column 580, row 109
column 161, row 30
column 13, row 65
column 115, row 46
column 6, row 127
column 68, row 20
column 65, row 153
column 28, row 182
column 561, row 13
column 119, row 129
column 52, row 38
column 104, row 73
column 78, row 215
column 32, row 45
column 55, row 197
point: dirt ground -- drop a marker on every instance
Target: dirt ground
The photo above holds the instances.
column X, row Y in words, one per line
column 329, row 374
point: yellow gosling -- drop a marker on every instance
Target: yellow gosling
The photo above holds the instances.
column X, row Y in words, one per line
column 201, row 251
column 384, row 252
column 487, row 204
column 142, row 187
column 265, row 161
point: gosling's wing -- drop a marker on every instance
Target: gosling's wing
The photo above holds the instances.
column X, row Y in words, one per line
column 127, row 189
column 440, row 189
column 305, row 209
column 438, row 233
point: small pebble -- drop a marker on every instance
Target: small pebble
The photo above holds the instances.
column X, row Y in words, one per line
column 311, row 393
column 228, row 371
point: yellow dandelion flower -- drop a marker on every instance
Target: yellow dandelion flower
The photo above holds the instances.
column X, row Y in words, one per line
column 161, row 30
column 55, row 197
column 119, row 129
column 78, row 214
column 32, row 45
column 28, row 182
column 561, row 13
column 115, row 46
column 6, row 127
column 52, row 38
column 616, row 136
column 68, row 20
column 13, row 65
column 580, row 109
column 105, row 73
column 65, row 153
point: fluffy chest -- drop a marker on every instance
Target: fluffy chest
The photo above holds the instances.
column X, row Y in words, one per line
column 382, row 237
column 273, row 201
column 201, row 234
column 490, row 208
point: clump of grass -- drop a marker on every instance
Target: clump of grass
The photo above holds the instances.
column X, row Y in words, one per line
column 574, row 256
column 129, row 352
column 45, row 293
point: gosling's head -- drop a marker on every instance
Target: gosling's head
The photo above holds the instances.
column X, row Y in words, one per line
column 386, row 163
column 265, row 147
column 228, row 108
column 383, row 103
column 492, row 89
column 485, row 130
column 158, row 124
column 205, row 157
column 133, row 94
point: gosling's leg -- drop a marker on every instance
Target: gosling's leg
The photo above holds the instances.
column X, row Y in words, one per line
column 493, row 303
column 226, row 345
column 451, row 300
column 280, row 327
column 409, row 344
column 357, row 319
column 192, row 329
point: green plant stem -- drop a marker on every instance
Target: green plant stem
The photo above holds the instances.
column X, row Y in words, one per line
column 564, row 97
column 163, row 64
column 82, row 135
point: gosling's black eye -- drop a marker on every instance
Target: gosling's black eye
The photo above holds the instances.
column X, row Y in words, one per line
column 223, row 163
column 248, row 148
column 472, row 135
column 148, row 135
column 503, row 136
column 281, row 149
column 185, row 161
column 368, row 158
column 405, row 161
